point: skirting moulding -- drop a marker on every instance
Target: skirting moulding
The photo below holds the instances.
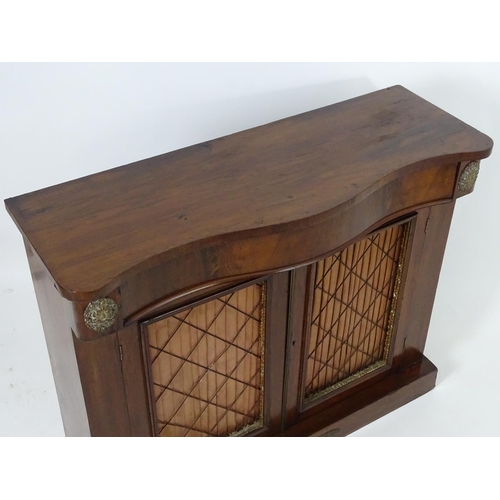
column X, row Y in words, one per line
column 274, row 282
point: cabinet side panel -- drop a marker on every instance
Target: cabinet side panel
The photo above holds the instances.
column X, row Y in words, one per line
column 207, row 366
column 61, row 349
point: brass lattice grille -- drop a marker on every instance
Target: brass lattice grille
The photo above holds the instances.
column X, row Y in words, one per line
column 353, row 305
column 207, row 366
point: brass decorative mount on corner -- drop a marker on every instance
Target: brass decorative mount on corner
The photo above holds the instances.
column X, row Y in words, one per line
column 100, row 314
column 468, row 176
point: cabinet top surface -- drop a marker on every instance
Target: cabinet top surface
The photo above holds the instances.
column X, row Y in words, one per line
column 288, row 173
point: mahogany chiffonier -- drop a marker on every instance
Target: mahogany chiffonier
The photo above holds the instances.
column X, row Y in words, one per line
column 275, row 282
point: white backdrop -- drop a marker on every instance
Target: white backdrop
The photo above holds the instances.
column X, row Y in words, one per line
column 61, row 121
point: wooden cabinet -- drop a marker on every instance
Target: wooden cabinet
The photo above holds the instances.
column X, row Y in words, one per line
column 278, row 281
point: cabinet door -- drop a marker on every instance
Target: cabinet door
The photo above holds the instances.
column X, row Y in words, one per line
column 215, row 367
column 343, row 315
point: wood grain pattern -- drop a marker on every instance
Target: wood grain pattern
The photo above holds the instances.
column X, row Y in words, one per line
column 206, row 366
column 351, row 305
column 424, row 266
column 60, row 344
column 195, row 233
column 290, row 174
column 238, row 257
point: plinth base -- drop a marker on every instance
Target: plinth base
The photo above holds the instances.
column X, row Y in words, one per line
column 369, row 404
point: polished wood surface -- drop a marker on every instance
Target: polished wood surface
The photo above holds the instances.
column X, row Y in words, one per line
column 94, row 232
column 421, row 277
column 363, row 407
column 54, row 313
column 250, row 228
